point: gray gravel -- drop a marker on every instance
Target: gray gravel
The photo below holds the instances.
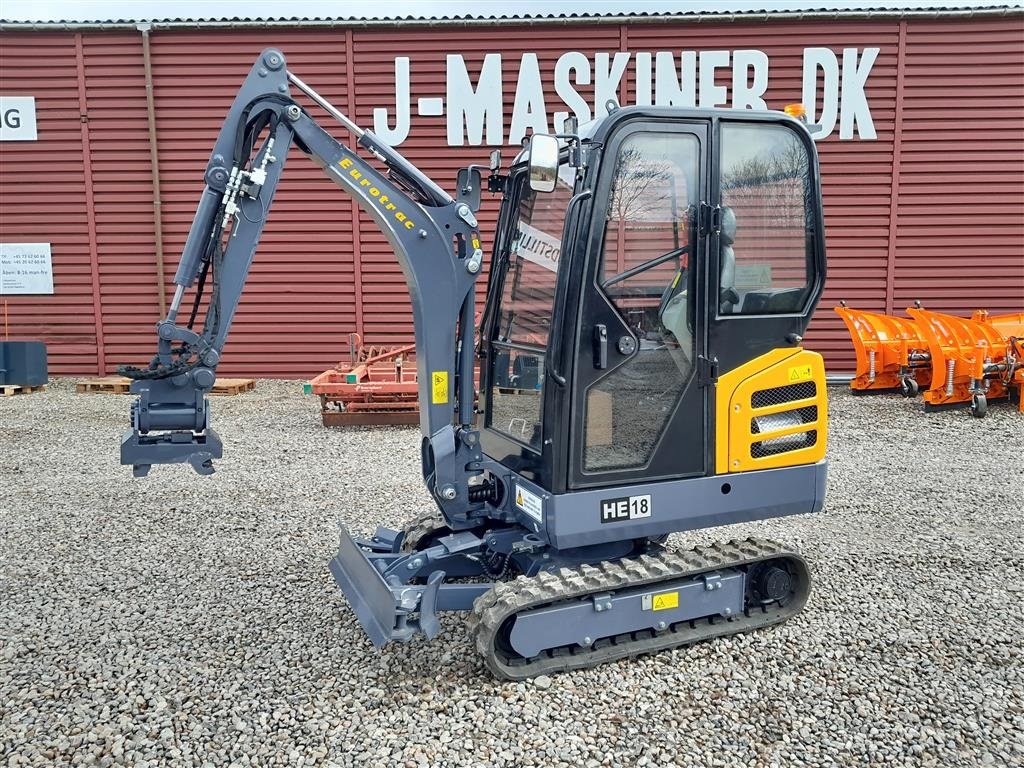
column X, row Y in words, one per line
column 179, row 620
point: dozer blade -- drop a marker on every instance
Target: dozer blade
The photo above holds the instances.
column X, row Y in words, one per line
column 890, row 351
column 384, row 608
column 365, row 589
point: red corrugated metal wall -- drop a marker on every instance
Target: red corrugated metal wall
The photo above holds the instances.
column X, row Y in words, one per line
column 42, row 198
column 115, row 90
column 959, row 228
column 930, row 210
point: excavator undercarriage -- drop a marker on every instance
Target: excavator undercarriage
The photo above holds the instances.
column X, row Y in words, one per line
column 567, row 616
column 578, row 618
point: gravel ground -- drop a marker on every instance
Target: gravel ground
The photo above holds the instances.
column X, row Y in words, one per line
column 180, row 620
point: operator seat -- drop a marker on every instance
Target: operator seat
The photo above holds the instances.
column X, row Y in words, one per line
column 674, row 314
column 728, row 299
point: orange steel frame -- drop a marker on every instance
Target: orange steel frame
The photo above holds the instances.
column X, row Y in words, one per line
column 953, row 358
column 379, row 386
column 968, row 356
column 888, row 350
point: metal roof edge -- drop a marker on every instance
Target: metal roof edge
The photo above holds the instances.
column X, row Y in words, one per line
column 695, row 17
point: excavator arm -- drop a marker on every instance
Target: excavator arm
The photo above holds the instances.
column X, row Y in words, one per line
column 435, row 239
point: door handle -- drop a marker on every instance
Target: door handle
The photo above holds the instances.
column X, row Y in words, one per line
column 600, row 346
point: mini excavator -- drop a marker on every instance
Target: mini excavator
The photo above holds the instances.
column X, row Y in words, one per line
column 640, row 371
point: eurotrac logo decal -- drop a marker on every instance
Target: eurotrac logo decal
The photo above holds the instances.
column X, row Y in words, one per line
column 352, row 166
column 473, row 107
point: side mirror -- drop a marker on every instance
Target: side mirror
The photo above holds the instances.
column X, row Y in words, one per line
column 543, row 162
column 467, row 188
column 495, row 160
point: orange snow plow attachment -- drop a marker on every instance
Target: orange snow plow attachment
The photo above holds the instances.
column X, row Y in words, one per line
column 1011, row 326
column 891, row 353
column 1017, row 380
column 973, row 360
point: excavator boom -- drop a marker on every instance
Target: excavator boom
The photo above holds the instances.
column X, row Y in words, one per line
column 435, row 239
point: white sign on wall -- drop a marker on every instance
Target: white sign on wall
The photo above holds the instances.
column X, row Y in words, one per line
column 832, row 89
column 17, row 118
column 25, row 269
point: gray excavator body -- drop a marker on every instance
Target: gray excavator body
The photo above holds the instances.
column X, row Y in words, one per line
column 634, row 380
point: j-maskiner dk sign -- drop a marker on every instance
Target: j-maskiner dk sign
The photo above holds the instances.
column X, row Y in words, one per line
column 474, row 113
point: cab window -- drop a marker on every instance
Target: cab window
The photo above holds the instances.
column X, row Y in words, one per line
column 767, row 221
column 529, row 275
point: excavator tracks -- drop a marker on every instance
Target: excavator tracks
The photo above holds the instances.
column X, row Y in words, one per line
column 422, row 529
column 494, row 612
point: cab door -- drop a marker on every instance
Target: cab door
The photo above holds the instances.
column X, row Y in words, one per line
column 639, row 403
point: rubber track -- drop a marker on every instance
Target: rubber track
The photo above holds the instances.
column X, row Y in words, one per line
column 420, row 527
column 505, row 599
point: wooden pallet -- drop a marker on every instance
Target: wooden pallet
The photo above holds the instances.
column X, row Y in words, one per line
column 121, row 385
column 7, row 390
column 117, row 385
column 516, row 391
column 232, row 386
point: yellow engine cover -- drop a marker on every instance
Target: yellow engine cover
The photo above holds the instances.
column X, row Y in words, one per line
column 771, row 412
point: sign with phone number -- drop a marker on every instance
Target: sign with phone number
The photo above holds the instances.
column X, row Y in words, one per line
column 25, row 269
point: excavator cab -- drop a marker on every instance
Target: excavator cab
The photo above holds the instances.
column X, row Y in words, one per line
column 640, row 371
column 668, row 250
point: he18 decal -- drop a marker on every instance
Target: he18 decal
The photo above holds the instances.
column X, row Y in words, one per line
column 625, row 508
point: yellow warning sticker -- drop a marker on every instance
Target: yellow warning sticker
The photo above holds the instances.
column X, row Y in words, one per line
column 439, row 387
column 800, row 373
column 530, row 503
column 665, row 601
